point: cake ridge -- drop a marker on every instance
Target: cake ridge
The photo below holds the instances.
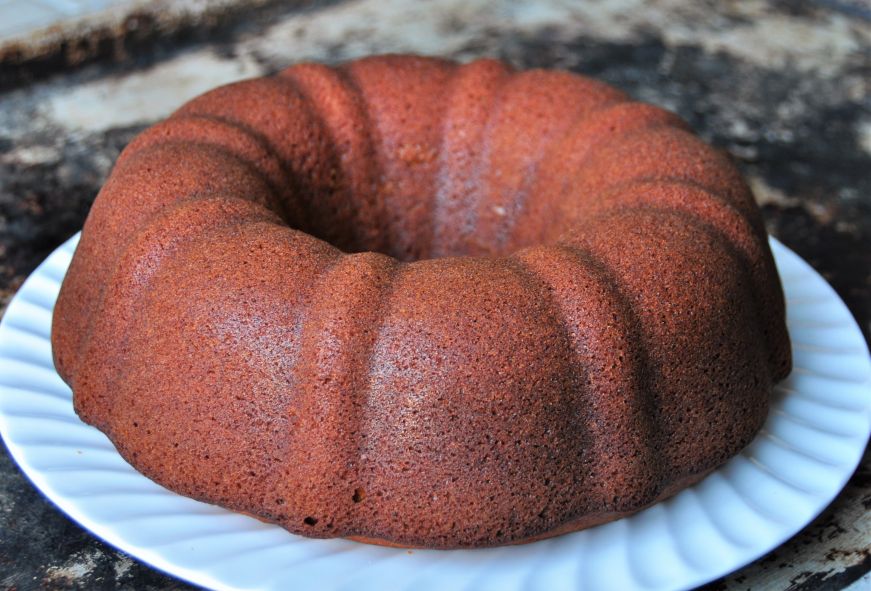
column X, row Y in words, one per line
column 576, row 146
column 738, row 196
column 322, row 206
column 90, row 284
column 720, row 215
column 314, row 386
column 708, row 170
column 351, row 80
column 209, row 130
column 131, row 259
column 648, row 190
column 340, row 323
column 642, row 468
column 672, row 363
column 273, row 204
column 446, row 184
column 406, row 114
column 477, row 183
column 570, row 100
column 367, row 369
column 355, row 149
column 311, row 188
column 290, row 207
column 437, row 175
column 209, row 394
column 288, row 124
column 631, row 334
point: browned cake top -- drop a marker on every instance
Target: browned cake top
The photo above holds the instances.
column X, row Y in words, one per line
column 422, row 303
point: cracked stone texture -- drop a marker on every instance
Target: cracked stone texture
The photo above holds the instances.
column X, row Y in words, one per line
column 782, row 85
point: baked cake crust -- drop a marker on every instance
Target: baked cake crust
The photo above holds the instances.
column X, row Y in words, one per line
column 413, row 302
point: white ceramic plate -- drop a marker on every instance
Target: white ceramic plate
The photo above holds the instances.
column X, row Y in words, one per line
column 812, row 442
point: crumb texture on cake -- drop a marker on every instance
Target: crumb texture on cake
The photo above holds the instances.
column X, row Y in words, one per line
column 422, row 303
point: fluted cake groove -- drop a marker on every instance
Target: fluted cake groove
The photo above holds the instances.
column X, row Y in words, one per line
column 419, row 303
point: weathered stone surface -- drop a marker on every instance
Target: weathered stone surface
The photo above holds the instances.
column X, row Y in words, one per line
column 783, row 86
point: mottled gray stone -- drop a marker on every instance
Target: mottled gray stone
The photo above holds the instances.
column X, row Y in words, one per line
column 783, row 86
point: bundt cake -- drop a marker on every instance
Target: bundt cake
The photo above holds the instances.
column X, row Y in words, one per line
column 417, row 303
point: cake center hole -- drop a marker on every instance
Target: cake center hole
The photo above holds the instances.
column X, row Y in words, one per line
column 412, row 229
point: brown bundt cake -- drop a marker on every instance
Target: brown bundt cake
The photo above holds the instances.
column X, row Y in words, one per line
column 419, row 303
